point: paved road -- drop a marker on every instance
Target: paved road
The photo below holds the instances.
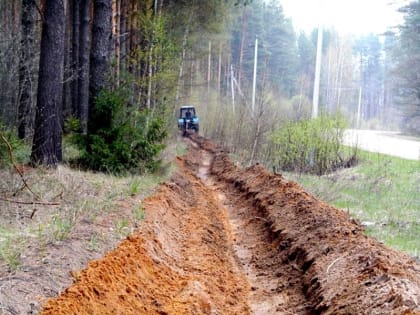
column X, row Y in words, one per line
column 387, row 142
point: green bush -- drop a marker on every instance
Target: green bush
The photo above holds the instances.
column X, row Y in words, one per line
column 120, row 138
column 311, row 146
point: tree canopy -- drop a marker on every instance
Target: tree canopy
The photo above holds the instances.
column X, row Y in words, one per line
column 157, row 55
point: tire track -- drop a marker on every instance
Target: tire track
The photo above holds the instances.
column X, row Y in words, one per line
column 256, row 253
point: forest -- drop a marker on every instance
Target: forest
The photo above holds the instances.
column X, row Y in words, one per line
column 110, row 75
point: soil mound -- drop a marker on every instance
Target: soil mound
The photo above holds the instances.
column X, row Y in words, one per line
column 179, row 261
column 343, row 271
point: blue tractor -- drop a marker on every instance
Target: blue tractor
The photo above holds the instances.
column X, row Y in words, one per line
column 188, row 120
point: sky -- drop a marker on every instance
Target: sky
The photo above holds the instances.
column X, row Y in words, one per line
column 347, row 16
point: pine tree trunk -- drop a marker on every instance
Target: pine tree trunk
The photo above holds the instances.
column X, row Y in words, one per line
column 26, row 69
column 134, row 41
column 69, row 75
column 150, row 62
column 116, row 34
column 124, row 35
column 46, row 147
column 100, row 51
column 83, row 84
column 75, row 57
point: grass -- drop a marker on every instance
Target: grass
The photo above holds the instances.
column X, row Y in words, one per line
column 382, row 192
column 122, row 228
column 61, row 227
column 9, row 248
column 83, row 198
column 10, row 254
column 93, row 243
column 138, row 214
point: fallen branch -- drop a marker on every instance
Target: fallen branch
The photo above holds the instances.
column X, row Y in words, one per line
column 12, row 159
column 25, row 184
column 30, row 202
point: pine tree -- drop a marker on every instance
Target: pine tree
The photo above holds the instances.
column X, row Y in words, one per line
column 100, row 53
column 83, row 62
column 46, row 148
column 26, row 69
column 408, row 68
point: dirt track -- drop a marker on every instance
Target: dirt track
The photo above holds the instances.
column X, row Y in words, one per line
column 221, row 240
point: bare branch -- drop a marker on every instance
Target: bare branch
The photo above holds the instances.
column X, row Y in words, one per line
column 21, row 202
column 12, row 159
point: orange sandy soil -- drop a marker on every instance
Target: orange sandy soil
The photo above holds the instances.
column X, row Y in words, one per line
column 218, row 239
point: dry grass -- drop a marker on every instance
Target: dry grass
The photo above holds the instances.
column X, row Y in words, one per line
column 68, row 197
column 77, row 218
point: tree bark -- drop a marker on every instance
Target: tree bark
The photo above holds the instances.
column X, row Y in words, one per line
column 134, row 40
column 75, row 57
column 116, row 34
column 100, row 51
column 150, row 62
column 83, row 54
column 46, row 147
column 68, row 74
column 26, row 69
column 124, row 35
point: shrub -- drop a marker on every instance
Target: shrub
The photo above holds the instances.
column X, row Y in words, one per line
column 120, row 138
column 312, row 146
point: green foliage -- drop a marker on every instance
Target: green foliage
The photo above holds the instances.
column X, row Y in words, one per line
column 138, row 214
column 122, row 228
column 307, row 55
column 72, row 124
column 134, row 186
column 277, row 47
column 93, row 243
column 120, row 138
column 61, row 227
column 311, row 145
column 282, row 53
column 407, row 69
column 19, row 149
column 10, row 253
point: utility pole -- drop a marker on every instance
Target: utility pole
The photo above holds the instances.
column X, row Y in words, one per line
column 254, row 84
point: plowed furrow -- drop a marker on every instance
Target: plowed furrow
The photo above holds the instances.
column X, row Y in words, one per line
column 218, row 239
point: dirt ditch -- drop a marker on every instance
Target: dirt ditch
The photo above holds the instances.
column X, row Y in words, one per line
column 218, row 239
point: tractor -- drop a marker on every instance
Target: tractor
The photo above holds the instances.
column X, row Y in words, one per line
column 188, row 120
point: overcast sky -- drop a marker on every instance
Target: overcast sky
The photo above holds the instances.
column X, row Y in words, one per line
column 347, row 16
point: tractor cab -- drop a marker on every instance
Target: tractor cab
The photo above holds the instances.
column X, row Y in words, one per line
column 188, row 119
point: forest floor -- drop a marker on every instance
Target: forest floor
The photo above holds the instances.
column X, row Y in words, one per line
column 216, row 239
